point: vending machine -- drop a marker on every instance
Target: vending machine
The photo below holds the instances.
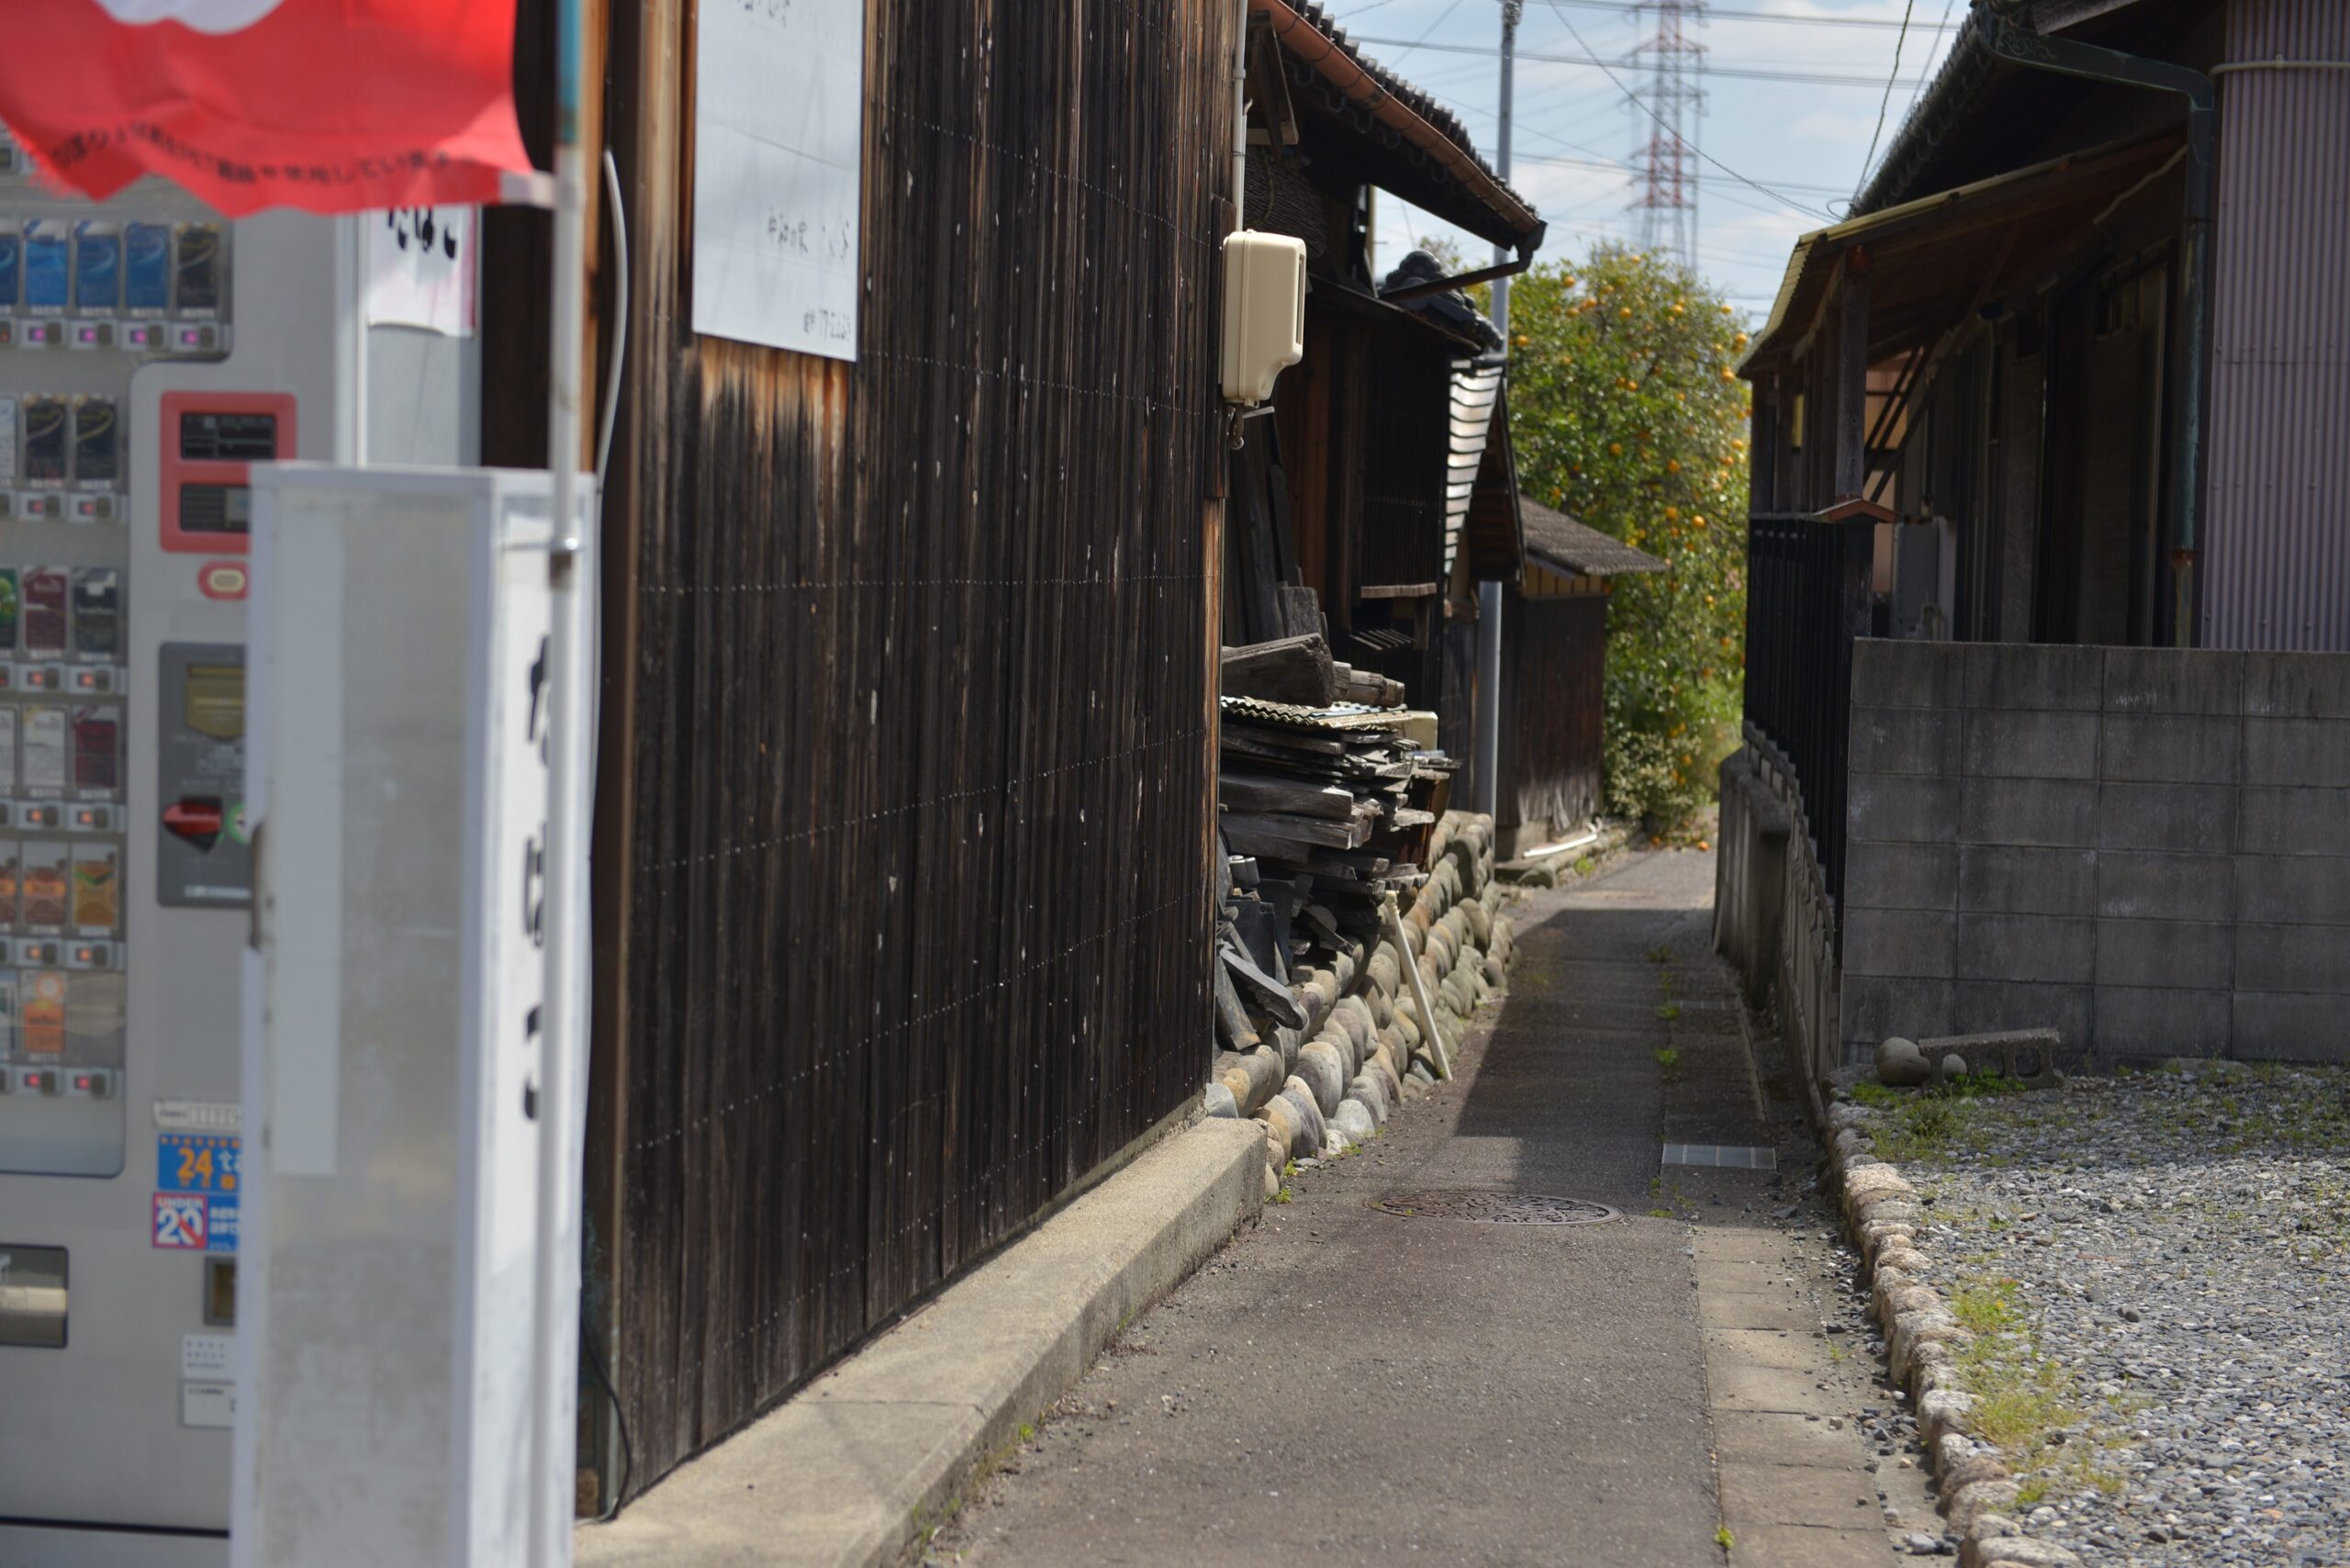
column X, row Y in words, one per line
column 150, row 353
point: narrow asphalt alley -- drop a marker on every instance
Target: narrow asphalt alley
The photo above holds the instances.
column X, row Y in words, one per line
column 1367, row 1387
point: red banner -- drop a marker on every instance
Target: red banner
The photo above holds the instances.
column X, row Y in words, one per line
column 329, row 106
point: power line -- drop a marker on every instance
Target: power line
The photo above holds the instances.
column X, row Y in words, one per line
column 1747, row 73
column 1667, row 201
column 1886, row 102
column 1755, row 16
column 1708, row 157
column 1618, row 166
column 1622, row 7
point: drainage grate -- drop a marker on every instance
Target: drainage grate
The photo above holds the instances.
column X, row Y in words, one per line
column 1734, row 1157
column 1496, row 1208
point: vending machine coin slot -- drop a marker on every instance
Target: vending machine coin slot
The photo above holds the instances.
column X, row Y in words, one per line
column 210, row 442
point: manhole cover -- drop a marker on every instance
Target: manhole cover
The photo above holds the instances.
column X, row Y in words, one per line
column 1496, row 1208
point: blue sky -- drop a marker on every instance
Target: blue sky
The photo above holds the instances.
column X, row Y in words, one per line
column 1575, row 133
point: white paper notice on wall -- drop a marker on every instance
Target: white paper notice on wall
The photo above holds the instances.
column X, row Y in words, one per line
column 778, row 135
column 420, row 268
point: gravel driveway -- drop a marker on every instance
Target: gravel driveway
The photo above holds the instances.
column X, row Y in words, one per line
column 2157, row 1268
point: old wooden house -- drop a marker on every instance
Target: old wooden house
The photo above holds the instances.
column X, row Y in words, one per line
column 902, row 858
column 1554, row 668
column 1383, row 452
column 2050, row 594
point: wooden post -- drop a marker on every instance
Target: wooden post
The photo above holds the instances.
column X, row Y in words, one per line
column 1437, row 1049
column 1852, row 376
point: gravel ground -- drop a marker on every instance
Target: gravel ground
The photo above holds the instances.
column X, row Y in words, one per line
column 2157, row 1266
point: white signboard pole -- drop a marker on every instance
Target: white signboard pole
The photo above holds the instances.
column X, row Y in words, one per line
column 779, row 137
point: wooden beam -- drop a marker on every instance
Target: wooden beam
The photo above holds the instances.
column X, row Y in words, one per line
column 1853, row 374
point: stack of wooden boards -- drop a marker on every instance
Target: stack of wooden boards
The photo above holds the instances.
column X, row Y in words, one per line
column 1325, row 807
column 1324, row 771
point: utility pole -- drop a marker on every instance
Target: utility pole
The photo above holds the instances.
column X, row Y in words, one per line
column 1487, row 776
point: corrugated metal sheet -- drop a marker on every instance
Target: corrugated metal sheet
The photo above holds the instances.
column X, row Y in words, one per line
column 1476, row 386
column 2277, row 532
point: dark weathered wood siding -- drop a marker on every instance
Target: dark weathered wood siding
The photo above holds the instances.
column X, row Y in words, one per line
column 907, row 793
column 1554, row 664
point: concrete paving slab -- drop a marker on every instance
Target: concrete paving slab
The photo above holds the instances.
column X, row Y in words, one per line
column 851, row 1469
column 1760, row 1348
column 1756, row 1494
column 1800, row 1546
column 1764, row 1388
column 1758, row 1309
column 1774, row 1436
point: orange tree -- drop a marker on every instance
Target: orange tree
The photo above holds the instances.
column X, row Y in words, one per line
column 1625, row 413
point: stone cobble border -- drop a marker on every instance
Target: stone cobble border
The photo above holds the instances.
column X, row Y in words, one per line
column 1923, row 1338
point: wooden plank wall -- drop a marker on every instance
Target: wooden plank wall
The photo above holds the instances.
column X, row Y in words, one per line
column 907, row 804
column 1554, row 664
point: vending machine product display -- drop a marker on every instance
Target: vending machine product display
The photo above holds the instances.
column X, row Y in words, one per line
column 150, row 353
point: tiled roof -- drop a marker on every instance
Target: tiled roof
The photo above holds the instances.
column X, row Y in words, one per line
column 1559, row 542
column 1455, row 161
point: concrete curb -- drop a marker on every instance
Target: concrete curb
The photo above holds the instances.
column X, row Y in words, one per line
column 854, row 1467
column 1880, row 1211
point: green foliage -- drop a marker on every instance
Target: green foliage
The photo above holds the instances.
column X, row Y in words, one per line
column 1625, row 413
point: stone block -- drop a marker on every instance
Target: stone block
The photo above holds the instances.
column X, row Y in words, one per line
column 2183, row 748
column 2059, row 812
column 2025, row 676
column 1898, row 673
column 2009, row 744
column 2192, row 955
column 2145, row 884
column 1905, row 740
column 1876, row 1006
column 1913, row 943
column 2173, row 680
column 1982, row 1006
column 2165, row 816
column 2295, row 822
column 1902, row 809
column 2310, row 958
column 1901, row 875
column 2270, row 1027
column 2287, row 752
column 2140, row 1021
column 2297, row 686
column 2024, row 948
column 2026, row 880
column 2294, row 890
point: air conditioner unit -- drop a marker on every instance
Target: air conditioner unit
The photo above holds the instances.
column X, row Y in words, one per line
column 1264, row 312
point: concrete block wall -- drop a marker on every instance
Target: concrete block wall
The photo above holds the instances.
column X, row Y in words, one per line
column 2148, row 849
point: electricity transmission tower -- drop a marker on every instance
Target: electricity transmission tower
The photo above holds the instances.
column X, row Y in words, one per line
column 1665, row 126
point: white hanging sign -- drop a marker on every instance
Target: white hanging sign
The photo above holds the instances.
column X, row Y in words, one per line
column 779, row 136
column 420, row 268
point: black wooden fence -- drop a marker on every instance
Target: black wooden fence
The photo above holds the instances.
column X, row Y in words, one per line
column 1806, row 600
column 902, row 875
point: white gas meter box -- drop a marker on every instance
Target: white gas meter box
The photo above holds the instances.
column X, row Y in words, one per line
column 1264, row 312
